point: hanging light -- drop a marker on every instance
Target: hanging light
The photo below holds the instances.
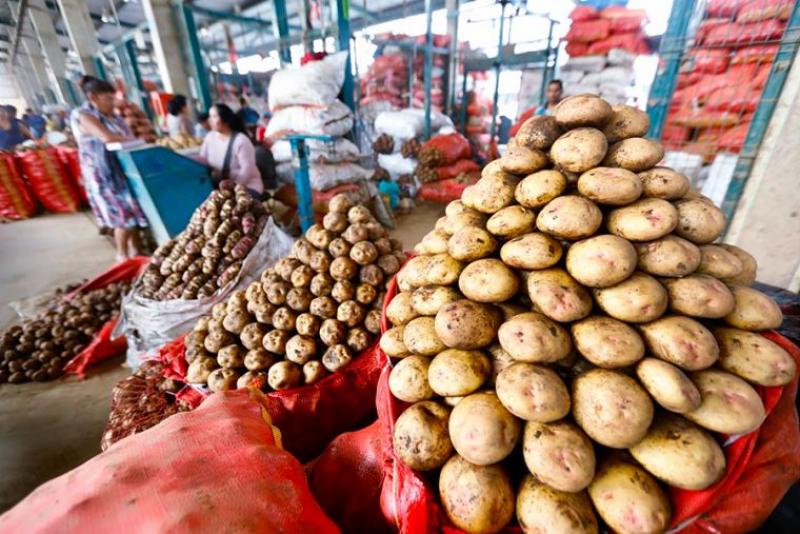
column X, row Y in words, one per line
column 203, row 31
column 106, row 16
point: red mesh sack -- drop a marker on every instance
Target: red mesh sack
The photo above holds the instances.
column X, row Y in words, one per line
column 764, row 53
column 49, row 180
column 319, row 199
column 71, row 160
column 219, row 468
column 733, row 139
column 762, row 75
column 445, row 149
column 756, row 10
column 723, row 8
column 674, row 133
column 581, row 13
column 16, row 201
column 710, row 60
column 575, row 49
column 462, row 166
column 587, row 31
column 624, row 19
column 735, row 98
column 631, row 42
column 706, row 26
column 446, row 190
column 734, row 33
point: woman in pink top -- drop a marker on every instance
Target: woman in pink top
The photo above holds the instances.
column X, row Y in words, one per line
column 228, row 150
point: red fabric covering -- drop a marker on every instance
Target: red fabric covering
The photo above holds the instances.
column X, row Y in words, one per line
column 219, row 468
column 631, row 42
column 49, row 180
column 462, row 166
column 445, row 190
column 452, row 147
column 581, row 13
column 16, row 200
column 70, row 159
column 588, row 31
column 710, row 60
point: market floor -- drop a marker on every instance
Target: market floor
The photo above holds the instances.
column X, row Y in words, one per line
column 48, row 428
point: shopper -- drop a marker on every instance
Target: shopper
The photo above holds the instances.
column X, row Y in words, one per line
column 229, row 152
column 248, row 115
column 110, row 197
column 202, row 127
column 35, row 123
column 178, row 121
column 555, row 91
column 12, row 130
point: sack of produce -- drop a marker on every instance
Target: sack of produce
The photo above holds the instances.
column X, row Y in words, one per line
column 444, row 150
column 314, row 84
column 215, row 469
column 733, row 139
column 460, row 167
column 71, row 160
column 339, row 151
column 49, row 180
column 446, row 190
column 755, row 54
column 723, row 8
column 334, row 119
column 399, row 124
column 741, row 98
column 632, row 42
column 324, row 175
column 397, row 164
column 588, row 31
column 642, row 362
column 756, row 10
column 709, row 60
column 576, row 49
column 580, row 13
column 228, row 241
column 753, row 32
column 16, row 200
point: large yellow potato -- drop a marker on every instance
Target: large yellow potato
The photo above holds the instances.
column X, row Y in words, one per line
column 638, row 299
column 635, row 154
column 699, row 221
column 717, row 262
column 532, row 392
column 391, row 343
column 531, row 251
column 420, row 437
column 579, row 150
column 628, row 499
column 532, row 337
column 606, row 342
column 753, row 357
column 669, row 256
column 477, row 499
column 558, row 296
column 511, row 221
column 729, row 404
column 419, row 336
column 493, row 192
column 434, row 242
column 611, row 407
column 753, row 310
column 488, row 280
column 540, row 508
column 399, row 310
column 668, row 385
column 539, row 188
column 523, row 160
column 570, row 217
column 681, row 341
column 644, row 220
column 611, row 186
column 455, row 373
column 442, row 270
column 414, row 272
column 455, row 206
column 453, row 223
column 559, row 454
column 408, row 380
column 538, row 132
column 583, row 110
column 699, row 295
column 483, row 432
column 467, row 325
column 471, row 243
column 663, row 182
column 601, row 261
column 749, row 266
column 427, row 300
column 625, row 122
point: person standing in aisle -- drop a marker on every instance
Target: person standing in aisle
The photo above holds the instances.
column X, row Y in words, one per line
column 178, row 121
column 555, row 92
column 12, row 130
column 110, row 197
column 35, row 123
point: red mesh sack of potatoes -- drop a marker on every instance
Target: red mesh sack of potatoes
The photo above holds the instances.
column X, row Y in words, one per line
column 220, row 468
column 444, row 150
column 16, row 201
column 71, row 160
column 49, row 180
column 583, row 13
column 462, row 166
column 445, row 190
column 588, row 31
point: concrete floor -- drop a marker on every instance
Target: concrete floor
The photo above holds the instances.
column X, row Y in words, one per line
column 49, row 428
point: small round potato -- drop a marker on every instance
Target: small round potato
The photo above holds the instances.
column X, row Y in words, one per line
column 343, row 268
column 488, row 280
column 466, row 325
column 753, row 310
column 539, row 188
column 699, row 295
column 419, row 336
column 455, row 373
column 644, row 220
column 442, row 270
column 392, row 343
column 274, row 341
column 699, row 221
column 606, row 342
column 668, row 385
column 415, row 270
column 663, row 182
column 455, row 206
column 625, row 122
column 680, row 453
column 558, row 296
column 400, row 310
column 364, row 253
column 477, row 499
column 531, row 251
column 420, row 436
column 729, row 404
column 511, row 221
column 408, row 380
column 583, row 110
column 523, row 160
column 340, row 203
column 579, row 150
column 300, row 349
column 681, row 341
column 629, row 499
column 538, row 132
column 258, row 360
column 541, row 508
column 610, row 186
column 493, row 192
column 532, row 337
column 428, row 300
column 570, row 217
column 717, row 262
column 559, row 454
column 611, row 407
column 601, row 261
column 753, row 357
column 636, row 154
column 482, row 431
column 669, row 256
column 471, row 243
column 434, row 242
column 749, row 266
column 453, row 223
column 639, row 299
column 284, row 375
column 222, row 380
column 313, row 372
column 533, row 392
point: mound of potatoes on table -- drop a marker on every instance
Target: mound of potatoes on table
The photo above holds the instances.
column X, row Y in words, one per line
column 571, row 340
column 308, row 316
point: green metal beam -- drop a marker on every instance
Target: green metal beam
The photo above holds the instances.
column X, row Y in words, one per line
column 201, row 75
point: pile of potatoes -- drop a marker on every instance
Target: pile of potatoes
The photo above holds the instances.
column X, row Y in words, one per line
column 209, row 253
column 569, row 338
column 180, row 141
column 308, row 316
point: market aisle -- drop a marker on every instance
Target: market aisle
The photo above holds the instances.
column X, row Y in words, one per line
column 412, row 227
column 49, row 428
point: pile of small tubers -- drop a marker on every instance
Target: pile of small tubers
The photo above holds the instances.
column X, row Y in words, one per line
column 571, row 340
column 308, row 316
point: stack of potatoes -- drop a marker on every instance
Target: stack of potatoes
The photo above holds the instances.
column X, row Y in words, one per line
column 306, row 317
column 571, row 312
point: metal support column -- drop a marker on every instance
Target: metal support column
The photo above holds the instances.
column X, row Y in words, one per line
column 670, row 54
column 78, row 21
column 200, row 74
column 498, row 62
column 342, row 10
column 167, row 45
column 51, row 48
column 99, row 67
column 428, row 65
column 452, row 30
column 280, row 27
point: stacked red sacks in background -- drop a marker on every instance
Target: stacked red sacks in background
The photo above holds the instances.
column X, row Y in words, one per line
column 386, row 80
column 596, row 32
column 16, row 200
column 723, row 75
column 49, row 179
column 70, row 159
column 445, row 167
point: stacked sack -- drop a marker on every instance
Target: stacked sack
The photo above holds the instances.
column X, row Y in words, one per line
column 439, row 63
column 137, row 120
column 16, row 199
column 303, row 101
column 597, row 32
column 446, row 167
column 570, row 342
column 49, row 179
column 607, row 75
column 723, row 75
column 386, row 80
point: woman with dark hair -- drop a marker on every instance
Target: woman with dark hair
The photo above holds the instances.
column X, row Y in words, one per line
column 110, row 197
column 178, row 121
column 228, row 150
